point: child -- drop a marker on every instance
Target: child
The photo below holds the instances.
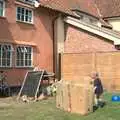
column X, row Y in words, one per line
column 98, row 89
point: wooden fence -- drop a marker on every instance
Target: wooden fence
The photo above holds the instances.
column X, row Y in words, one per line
column 74, row 66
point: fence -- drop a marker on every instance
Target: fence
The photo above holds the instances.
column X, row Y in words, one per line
column 74, row 66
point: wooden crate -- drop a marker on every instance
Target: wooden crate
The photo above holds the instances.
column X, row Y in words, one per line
column 66, row 96
column 81, row 99
column 59, row 95
column 75, row 97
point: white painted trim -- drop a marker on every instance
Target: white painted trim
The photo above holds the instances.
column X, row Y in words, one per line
column 113, row 18
column 108, row 34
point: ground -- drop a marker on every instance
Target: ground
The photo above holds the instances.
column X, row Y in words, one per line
column 10, row 109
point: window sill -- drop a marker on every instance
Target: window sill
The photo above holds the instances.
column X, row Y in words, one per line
column 24, row 22
column 6, row 67
column 2, row 17
column 24, row 67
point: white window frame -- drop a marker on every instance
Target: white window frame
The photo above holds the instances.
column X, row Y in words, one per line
column 29, row 1
column 11, row 54
column 3, row 8
column 25, row 15
column 24, row 57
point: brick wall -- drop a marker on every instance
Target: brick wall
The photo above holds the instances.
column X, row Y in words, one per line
column 39, row 35
column 78, row 41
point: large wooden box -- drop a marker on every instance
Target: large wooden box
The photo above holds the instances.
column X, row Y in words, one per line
column 81, row 99
column 75, row 97
column 59, row 95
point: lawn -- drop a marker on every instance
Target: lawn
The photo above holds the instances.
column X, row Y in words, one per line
column 10, row 109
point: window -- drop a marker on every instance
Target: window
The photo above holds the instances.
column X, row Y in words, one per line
column 6, row 55
column 24, row 15
column 2, row 7
column 23, row 56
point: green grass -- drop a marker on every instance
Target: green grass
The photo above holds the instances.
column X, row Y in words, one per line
column 46, row 110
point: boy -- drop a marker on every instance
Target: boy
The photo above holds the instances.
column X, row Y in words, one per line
column 98, row 89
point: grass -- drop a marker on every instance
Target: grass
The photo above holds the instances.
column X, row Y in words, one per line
column 10, row 109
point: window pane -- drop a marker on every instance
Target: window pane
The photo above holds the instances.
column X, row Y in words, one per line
column 1, row 12
column 30, row 13
column 28, row 49
column 26, row 12
column 23, row 12
column 26, row 63
column 18, row 55
column 29, row 19
column 8, row 62
column 1, row 8
column 3, row 54
column 0, row 61
column 3, row 62
column 22, row 62
column 22, row 18
column 17, row 62
column 8, row 55
column 29, row 63
column 26, row 18
column 29, row 56
column 18, row 17
column 19, row 10
column 0, row 51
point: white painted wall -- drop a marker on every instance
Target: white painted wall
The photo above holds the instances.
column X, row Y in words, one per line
column 115, row 23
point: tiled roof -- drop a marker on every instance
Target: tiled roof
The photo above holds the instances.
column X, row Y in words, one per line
column 108, row 8
column 97, row 8
column 66, row 6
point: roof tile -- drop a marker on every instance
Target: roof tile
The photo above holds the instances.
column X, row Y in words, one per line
column 66, row 6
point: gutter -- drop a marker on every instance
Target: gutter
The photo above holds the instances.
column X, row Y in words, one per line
column 108, row 34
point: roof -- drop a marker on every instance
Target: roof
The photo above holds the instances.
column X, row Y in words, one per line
column 96, row 8
column 108, row 8
column 66, row 6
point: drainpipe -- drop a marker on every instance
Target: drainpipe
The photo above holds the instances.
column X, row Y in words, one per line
column 55, row 49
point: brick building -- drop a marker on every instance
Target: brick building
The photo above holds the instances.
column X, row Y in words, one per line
column 36, row 36
column 26, row 39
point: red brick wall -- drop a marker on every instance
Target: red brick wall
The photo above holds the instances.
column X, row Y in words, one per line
column 78, row 40
column 40, row 33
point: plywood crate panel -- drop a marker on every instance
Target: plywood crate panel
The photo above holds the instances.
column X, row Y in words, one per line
column 80, row 99
column 75, row 98
column 66, row 96
column 59, row 95
column 62, row 96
